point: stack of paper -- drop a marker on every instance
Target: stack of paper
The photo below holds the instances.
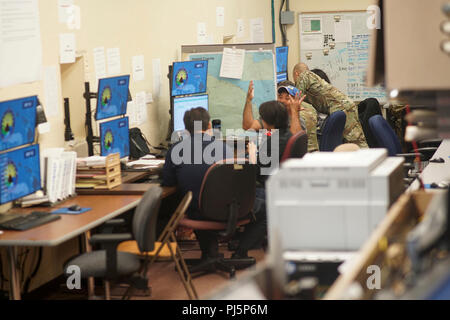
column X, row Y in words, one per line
column 59, row 169
column 145, row 163
column 91, row 161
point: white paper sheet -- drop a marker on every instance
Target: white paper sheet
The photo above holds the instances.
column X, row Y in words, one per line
column 100, row 62
column 113, row 61
column 20, row 42
column 257, row 30
column 232, row 63
column 131, row 113
column 240, row 33
column 67, row 47
column 140, row 107
column 74, row 17
column 156, row 63
column 343, row 31
column 220, row 16
column 51, row 104
column 311, row 41
column 202, row 36
column 311, row 25
column 138, row 68
column 63, row 8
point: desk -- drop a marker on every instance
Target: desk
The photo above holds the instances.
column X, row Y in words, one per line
column 436, row 172
column 103, row 208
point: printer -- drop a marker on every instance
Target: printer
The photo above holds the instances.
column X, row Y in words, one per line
column 331, row 201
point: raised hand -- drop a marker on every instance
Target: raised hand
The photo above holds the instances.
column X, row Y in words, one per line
column 250, row 92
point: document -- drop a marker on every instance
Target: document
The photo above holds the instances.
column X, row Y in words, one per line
column 311, row 25
column 20, row 32
column 63, row 10
column 220, row 16
column 51, row 102
column 67, row 48
column 343, row 31
column 138, row 68
column 113, row 61
column 311, row 41
column 240, row 33
column 202, row 36
column 232, row 63
column 140, row 107
column 156, row 63
column 100, row 62
column 257, row 30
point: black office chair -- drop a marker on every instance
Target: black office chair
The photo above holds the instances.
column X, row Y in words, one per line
column 366, row 109
column 296, row 147
column 332, row 133
column 123, row 267
column 226, row 199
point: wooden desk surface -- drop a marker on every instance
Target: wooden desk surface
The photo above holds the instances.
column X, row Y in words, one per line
column 103, row 208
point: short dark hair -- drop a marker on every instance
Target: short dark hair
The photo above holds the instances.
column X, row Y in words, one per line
column 321, row 74
column 274, row 113
column 196, row 114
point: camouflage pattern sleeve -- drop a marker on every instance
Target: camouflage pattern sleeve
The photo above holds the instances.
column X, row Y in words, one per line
column 309, row 116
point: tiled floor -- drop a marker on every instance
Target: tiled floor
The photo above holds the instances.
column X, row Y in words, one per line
column 164, row 281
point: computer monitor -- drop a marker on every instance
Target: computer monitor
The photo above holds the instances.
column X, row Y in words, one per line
column 114, row 137
column 20, row 173
column 183, row 104
column 112, row 97
column 189, row 77
column 282, row 63
column 18, row 119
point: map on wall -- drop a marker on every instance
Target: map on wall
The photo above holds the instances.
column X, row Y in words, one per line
column 227, row 96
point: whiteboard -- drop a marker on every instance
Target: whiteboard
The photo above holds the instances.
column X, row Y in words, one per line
column 322, row 46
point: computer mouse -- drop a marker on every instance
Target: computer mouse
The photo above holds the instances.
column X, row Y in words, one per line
column 437, row 160
column 75, row 207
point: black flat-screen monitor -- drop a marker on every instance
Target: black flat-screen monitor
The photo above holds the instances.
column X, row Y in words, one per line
column 189, row 77
column 20, row 173
column 282, row 63
column 114, row 137
column 112, row 97
column 18, row 119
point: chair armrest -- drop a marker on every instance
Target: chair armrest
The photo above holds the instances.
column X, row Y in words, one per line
column 109, row 239
column 409, row 156
column 115, row 223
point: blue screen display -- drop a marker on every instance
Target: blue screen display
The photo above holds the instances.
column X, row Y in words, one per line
column 189, row 77
column 20, row 173
column 282, row 63
column 183, row 104
column 114, row 137
column 18, row 120
column 112, row 97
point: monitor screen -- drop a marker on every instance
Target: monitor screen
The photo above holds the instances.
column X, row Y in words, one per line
column 112, row 97
column 18, row 119
column 183, row 104
column 114, row 137
column 282, row 63
column 189, row 77
column 20, row 173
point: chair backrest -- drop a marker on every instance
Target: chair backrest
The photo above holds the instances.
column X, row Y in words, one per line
column 225, row 184
column 384, row 135
column 144, row 219
column 296, row 147
column 367, row 109
column 333, row 131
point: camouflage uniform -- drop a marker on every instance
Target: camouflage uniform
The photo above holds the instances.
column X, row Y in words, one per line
column 309, row 117
column 327, row 99
column 395, row 117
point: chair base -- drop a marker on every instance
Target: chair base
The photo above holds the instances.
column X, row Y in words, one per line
column 228, row 265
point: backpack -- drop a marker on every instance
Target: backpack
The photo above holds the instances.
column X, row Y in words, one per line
column 139, row 145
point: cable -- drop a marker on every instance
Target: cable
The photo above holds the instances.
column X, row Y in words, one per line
column 416, row 152
column 282, row 30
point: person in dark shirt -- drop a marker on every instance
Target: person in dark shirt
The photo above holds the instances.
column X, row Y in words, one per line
column 275, row 120
column 186, row 165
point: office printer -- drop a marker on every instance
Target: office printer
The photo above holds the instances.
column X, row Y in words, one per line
column 331, row 201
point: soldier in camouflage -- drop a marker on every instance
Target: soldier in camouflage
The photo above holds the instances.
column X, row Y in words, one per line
column 327, row 99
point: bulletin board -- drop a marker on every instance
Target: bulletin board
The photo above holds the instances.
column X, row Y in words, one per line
column 338, row 43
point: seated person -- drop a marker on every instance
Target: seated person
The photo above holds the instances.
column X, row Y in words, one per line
column 321, row 74
column 186, row 169
column 308, row 115
column 293, row 109
column 273, row 115
column 328, row 99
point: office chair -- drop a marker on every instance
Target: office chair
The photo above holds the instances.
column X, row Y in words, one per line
column 333, row 131
column 167, row 245
column 366, row 109
column 296, row 147
column 123, row 267
column 226, row 198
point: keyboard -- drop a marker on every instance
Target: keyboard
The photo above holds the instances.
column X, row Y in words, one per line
column 34, row 219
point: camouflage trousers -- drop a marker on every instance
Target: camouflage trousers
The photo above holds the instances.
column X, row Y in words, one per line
column 309, row 116
column 353, row 132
